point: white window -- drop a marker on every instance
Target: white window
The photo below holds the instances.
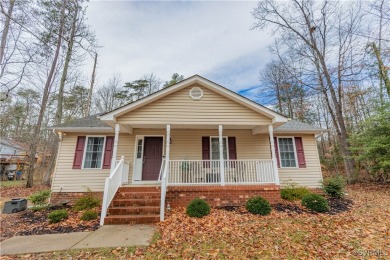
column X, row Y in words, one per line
column 287, row 154
column 214, row 142
column 93, row 157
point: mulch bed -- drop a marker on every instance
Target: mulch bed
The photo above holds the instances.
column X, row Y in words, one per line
column 291, row 208
column 30, row 222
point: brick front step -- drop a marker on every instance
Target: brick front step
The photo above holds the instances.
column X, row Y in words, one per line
column 139, row 189
column 131, row 219
column 135, row 202
column 137, row 195
column 146, row 210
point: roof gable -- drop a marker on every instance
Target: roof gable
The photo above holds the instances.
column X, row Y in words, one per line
column 179, row 108
column 196, row 79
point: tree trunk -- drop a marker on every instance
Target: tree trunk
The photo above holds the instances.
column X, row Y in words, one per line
column 64, row 76
column 5, row 30
column 46, row 92
column 88, row 110
column 382, row 69
column 60, row 98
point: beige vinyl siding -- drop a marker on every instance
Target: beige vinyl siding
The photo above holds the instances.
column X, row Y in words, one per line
column 187, row 144
column 180, row 108
column 310, row 176
column 79, row 180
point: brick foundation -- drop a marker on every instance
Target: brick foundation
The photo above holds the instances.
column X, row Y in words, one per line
column 216, row 196
column 71, row 197
column 221, row 195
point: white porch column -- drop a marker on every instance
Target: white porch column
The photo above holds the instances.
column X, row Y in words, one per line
column 116, row 138
column 167, row 143
column 274, row 163
column 221, row 159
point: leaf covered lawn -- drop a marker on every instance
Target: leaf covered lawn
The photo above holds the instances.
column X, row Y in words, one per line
column 363, row 230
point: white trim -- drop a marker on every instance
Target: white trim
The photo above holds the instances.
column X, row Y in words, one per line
column 55, row 168
column 83, row 129
column 196, row 89
column 85, row 151
column 297, row 132
column 111, row 116
column 227, row 147
column 137, row 137
column 295, row 153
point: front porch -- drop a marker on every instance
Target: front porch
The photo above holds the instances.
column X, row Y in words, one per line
column 220, row 176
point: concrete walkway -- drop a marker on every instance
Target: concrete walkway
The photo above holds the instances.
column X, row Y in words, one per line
column 106, row 236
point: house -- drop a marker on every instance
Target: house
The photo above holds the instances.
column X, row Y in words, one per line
column 193, row 139
column 13, row 157
column 10, row 149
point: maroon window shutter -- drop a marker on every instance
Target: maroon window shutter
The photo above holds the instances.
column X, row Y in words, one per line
column 79, row 152
column 232, row 151
column 300, row 152
column 232, row 148
column 206, row 150
column 277, row 151
column 108, row 152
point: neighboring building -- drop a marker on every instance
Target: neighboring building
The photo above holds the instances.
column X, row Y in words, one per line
column 193, row 139
column 13, row 157
column 10, row 149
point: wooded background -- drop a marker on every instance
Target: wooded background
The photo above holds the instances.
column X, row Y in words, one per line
column 330, row 68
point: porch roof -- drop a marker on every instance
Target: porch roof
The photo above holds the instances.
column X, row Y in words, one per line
column 94, row 124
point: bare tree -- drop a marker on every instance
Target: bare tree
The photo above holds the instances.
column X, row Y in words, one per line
column 16, row 53
column 90, row 92
column 37, row 129
column 108, row 96
column 322, row 33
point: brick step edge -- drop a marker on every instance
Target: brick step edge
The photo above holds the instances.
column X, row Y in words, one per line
column 131, row 219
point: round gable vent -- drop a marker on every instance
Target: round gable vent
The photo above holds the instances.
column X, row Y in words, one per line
column 196, row 93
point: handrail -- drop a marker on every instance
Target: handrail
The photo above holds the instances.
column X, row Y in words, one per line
column 161, row 169
column 164, row 184
column 112, row 183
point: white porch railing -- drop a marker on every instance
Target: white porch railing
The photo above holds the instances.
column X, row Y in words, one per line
column 118, row 176
column 208, row 172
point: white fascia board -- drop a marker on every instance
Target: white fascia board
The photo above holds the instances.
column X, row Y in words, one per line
column 84, row 129
column 298, row 131
column 243, row 101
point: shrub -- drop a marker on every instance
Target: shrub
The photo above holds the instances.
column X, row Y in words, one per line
column 334, row 186
column 198, row 208
column 86, row 202
column 258, row 205
column 89, row 215
column 315, row 202
column 58, row 215
column 293, row 192
column 39, row 198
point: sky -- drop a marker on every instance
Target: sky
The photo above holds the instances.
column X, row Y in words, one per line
column 210, row 38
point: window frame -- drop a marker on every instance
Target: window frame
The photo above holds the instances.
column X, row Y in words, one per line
column 227, row 147
column 295, row 152
column 85, row 151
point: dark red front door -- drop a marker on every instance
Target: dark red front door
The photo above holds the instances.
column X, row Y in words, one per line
column 153, row 147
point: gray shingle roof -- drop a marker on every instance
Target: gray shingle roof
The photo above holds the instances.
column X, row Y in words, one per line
column 93, row 121
column 297, row 126
column 89, row 121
